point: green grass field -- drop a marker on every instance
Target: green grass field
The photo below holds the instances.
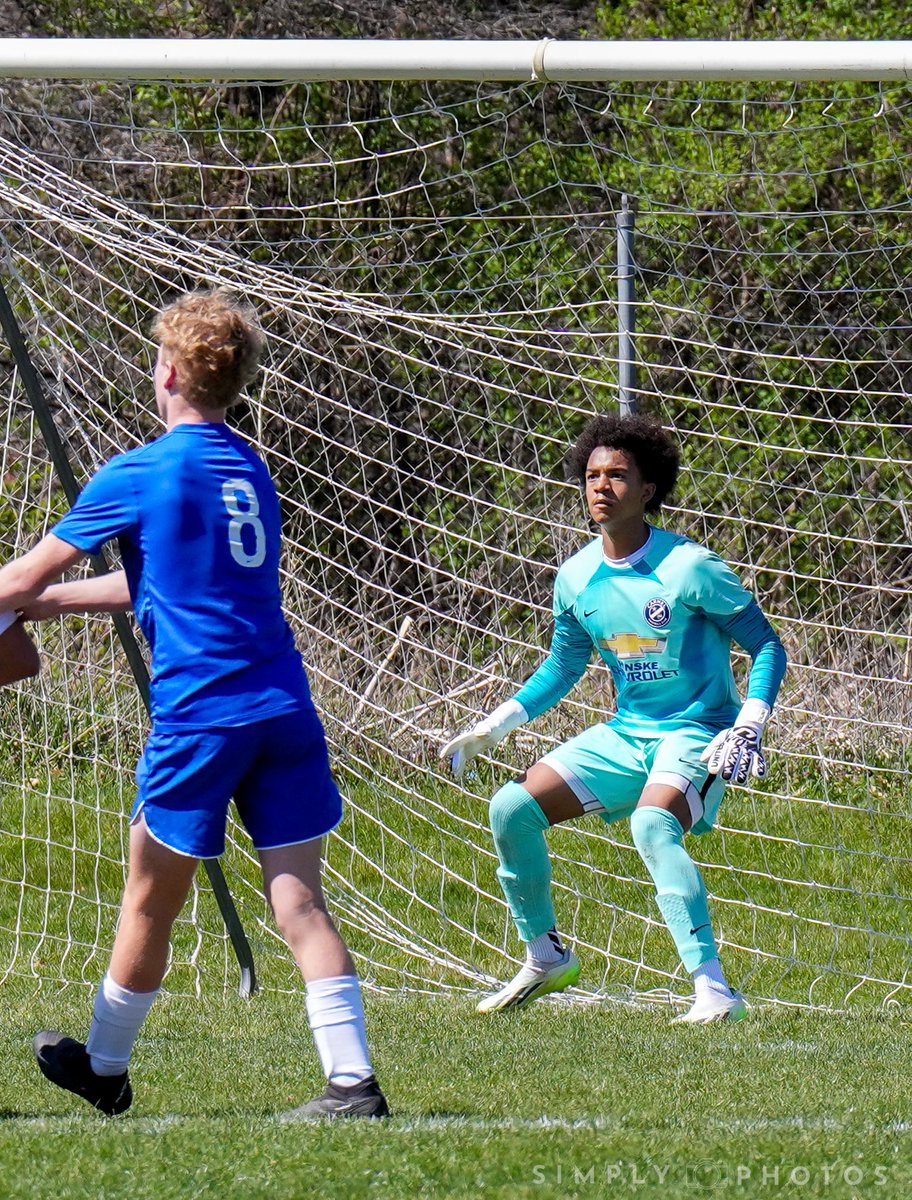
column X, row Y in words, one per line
column 558, row 1101
column 563, row 1100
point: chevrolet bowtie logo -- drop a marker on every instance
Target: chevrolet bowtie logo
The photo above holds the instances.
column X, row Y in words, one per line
column 631, row 645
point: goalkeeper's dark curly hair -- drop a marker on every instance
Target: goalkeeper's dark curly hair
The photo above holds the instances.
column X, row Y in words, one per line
column 653, row 450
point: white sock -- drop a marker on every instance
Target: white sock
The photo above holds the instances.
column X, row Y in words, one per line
column 545, row 949
column 709, row 980
column 336, row 1017
column 116, row 1021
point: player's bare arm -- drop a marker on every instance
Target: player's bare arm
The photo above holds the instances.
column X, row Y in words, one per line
column 26, row 577
column 100, row 594
column 20, row 582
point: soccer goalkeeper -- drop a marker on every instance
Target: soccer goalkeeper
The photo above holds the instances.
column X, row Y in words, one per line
column 197, row 518
column 662, row 612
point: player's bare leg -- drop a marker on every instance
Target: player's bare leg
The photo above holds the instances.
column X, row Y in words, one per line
column 291, row 880
column 658, row 825
column 520, row 813
column 292, row 884
column 158, row 881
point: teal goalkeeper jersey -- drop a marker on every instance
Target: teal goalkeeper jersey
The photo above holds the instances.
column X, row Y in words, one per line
column 659, row 622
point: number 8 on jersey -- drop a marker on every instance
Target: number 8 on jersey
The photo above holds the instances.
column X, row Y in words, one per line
column 249, row 517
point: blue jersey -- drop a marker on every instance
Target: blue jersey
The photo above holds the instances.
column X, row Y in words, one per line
column 197, row 517
column 663, row 623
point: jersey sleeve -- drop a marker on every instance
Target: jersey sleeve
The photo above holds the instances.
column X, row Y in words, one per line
column 715, row 589
column 571, row 649
column 105, row 508
column 751, row 630
column 719, row 593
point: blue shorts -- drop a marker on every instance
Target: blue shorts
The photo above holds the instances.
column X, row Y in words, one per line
column 607, row 769
column 277, row 771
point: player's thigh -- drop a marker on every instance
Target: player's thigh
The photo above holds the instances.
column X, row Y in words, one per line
column 288, row 795
column 552, row 794
column 605, row 771
column 676, row 761
column 185, row 783
column 292, row 876
column 158, row 879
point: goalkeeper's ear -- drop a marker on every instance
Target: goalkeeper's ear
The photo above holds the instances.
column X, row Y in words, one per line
column 18, row 653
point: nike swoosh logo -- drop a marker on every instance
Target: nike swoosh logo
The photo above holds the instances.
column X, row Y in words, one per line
column 699, row 927
column 589, row 614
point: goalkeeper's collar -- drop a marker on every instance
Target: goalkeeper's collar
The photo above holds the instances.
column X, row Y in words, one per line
column 632, row 559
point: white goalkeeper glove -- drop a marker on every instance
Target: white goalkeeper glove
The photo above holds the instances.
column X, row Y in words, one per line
column 461, row 749
column 737, row 753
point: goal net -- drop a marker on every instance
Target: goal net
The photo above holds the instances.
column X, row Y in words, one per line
column 435, row 265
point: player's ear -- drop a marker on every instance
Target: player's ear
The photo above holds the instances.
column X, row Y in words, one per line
column 649, row 490
column 170, row 375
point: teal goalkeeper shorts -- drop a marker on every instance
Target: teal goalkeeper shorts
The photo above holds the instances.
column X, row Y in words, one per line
column 607, row 770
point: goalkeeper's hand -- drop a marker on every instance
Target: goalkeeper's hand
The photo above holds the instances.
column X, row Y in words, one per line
column 482, row 737
column 737, row 753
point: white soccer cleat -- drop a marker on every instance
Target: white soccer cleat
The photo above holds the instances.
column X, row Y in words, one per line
column 712, row 1008
column 530, row 982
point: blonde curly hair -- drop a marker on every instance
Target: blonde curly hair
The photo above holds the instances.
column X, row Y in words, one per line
column 215, row 344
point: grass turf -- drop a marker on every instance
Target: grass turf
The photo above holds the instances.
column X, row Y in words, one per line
column 559, row 1101
column 556, row 1101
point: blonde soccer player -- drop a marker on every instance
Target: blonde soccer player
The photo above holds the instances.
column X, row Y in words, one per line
column 662, row 612
column 197, row 518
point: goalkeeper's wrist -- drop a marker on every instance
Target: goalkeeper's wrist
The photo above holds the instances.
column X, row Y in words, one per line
column 505, row 718
column 754, row 712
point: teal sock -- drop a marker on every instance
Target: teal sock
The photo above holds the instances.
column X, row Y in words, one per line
column 518, row 826
column 680, row 892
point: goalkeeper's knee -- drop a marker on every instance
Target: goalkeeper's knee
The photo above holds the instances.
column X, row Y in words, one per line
column 655, row 831
column 514, row 812
column 680, row 893
column 518, row 825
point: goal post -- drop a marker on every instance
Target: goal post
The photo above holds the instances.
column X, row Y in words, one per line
column 545, row 60
column 436, row 243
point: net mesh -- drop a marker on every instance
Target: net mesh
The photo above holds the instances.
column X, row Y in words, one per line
column 436, row 268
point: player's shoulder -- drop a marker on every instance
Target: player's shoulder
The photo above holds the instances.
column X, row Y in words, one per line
column 118, row 466
column 575, row 572
column 583, row 558
column 698, row 575
column 680, row 552
column 148, row 451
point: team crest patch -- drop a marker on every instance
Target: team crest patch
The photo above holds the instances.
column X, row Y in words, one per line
column 657, row 613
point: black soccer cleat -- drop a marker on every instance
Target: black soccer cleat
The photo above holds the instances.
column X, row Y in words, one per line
column 362, row 1099
column 65, row 1062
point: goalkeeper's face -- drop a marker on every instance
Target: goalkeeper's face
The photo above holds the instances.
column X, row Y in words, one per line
column 616, row 492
